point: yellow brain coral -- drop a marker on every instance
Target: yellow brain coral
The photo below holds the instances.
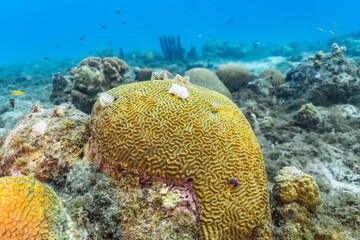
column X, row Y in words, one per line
column 294, row 185
column 26, row 209
column 203, row 137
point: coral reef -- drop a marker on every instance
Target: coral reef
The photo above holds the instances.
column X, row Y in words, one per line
column 171, row 48
column 274, row 76
column 95, row 75
column 31, row 210
column 205, row 78
column 149, row 130
column 307, row 116
column 324, row 79
column 143, row 74
column 234, row 76
column 292, row 185
column 44, row 143
column 216, row 49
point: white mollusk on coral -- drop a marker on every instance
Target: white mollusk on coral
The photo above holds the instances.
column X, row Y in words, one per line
column 179, row 78
column 179, row 91
column 106, row 99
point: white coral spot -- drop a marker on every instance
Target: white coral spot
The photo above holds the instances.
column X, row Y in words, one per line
column 179, row 91
column 106, row 99
column 39, row 128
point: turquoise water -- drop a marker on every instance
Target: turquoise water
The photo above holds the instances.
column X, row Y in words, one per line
column 53, row 29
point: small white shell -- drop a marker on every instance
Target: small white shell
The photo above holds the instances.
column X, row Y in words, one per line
column 106, row 99
column 179, row 78
column 179, row 91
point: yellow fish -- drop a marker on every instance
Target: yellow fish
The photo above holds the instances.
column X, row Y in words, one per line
column 56, row 46
column 305, row 53
column 257, row 43
column 17, row 93
column 200, row 35
column 332, row 32
column 290, row 62
column 296, row 57
column 335, row 23
column 320, row 29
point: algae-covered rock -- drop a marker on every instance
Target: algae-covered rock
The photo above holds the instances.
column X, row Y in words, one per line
column 307, row 116
column 206, row 78
column 325, row 79
column 91, row 201
column 44, row 143
column 234, row 76
column 274, row 76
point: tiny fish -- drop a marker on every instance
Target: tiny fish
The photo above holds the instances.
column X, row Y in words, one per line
column 81, row 44
column 320, row 29
column 56, row 46
column 124, row 22
column 335, row 23
column 102, row 26
column 257, row 43
column 12, row 103
column 17, row 93
column 46, row 58
column 118, row 12
column 82, row 38
column 290, row 62
column 332, row 32
column 229, row 21
column 296, row 57
column 305, row 53
column 90, row 52
column 200, row 35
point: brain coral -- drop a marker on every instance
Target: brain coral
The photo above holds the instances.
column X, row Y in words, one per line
column 294, row 185
column 27, row 208
column 204, row 138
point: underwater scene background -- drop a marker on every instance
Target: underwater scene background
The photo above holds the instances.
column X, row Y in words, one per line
column 180, row 120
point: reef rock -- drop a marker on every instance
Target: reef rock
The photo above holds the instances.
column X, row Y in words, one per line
column 44, row 143
column 143, row 74
column 324, row 79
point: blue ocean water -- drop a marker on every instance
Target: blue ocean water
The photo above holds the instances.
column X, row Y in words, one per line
column 53, row 29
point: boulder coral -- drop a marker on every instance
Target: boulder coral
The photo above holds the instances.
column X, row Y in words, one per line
column 203, row 138
column 292, row 185
column 274, row 76
column 205, row 78
column 30, row 210
column 234, row 76
column 95, row 75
